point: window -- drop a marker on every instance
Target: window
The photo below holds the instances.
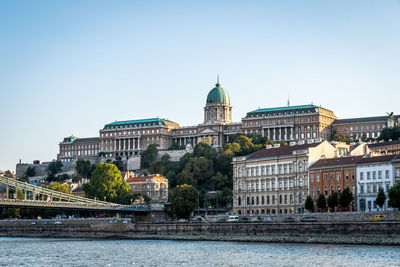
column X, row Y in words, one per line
column 361, row 176
column 374, row 174
column 317, row 178
column 312, row 178
column 368, row 175
column 338, row 176
column 387, row 174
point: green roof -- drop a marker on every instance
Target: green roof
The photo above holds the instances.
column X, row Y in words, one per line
column 152, row 120
column 282, row 108
column 218, row 95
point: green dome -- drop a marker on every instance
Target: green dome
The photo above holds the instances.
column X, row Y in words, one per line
column 218, row 95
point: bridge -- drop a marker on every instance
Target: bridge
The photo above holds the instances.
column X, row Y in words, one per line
column 44, row 198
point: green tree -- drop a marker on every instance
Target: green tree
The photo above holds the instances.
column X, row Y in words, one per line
column 107, row 184
column 148, row 156
column 60, row 187
column 204, row 150
column 84, row 168
column 333, row 201
column 394, row 196
column 186, row 177
column 118, row 162
column 345, row 198
column 380, row 198
column 54, row 167
column 390, row 133
column 309, row 205
column 183, row 201
column 321, row 202
column 30, row 171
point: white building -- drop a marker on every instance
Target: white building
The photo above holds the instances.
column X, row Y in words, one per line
column 373, row 173
column 275, row 179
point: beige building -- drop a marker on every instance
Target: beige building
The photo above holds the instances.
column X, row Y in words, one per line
column 290, row 123
column 155, row 186
column 275, row 179
column 73, row 147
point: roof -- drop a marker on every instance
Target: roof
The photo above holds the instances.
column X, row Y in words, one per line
column 218, row 95
column 279, row 151
column 144, row 178
column 157, row 121
column 378, row 159
column 388, row 143
column 87, row 140
column 283, row 108
column 364, row 119
column 323, row 163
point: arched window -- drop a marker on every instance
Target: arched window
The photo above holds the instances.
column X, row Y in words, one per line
column 285, row 199
column 267, row 200
column 262, row 200
column 239, row 201
column 273, row 199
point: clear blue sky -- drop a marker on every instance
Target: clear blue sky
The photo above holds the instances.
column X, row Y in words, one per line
column 69, row 67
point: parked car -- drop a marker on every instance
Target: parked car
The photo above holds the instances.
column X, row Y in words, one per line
column 46, row 222
column 288, row 219
column 33, row 222
column 308, row 219
column 221, row 220
column 57, row 222
column 233, row 219
column 267, row 219
column 182, row 220
column 157, row 221
column 377, row 218
column 196, row 219
column 255, row 219
column 243, row 219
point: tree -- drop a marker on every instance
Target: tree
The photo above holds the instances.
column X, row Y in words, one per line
column 309, row 205
column 390, row 133
column 60, row 187
column 333, row 201
column 54, row 167
column 380, row 198
column 183, row 201
column 321, row 202
column 84, row 168
column 107, row 184
column 394, row 196
column 118, row 162
column 186, row 177
column 30, row 171
column 345, row 198
column 148, row 156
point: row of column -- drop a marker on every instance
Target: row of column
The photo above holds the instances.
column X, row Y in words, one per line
column 182, row 141
column 279, row 133
column 127, row 144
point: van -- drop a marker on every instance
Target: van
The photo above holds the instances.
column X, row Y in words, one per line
column 233, row 219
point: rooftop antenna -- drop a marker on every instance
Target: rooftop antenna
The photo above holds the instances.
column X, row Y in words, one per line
column 217, row 80
column 288, row 100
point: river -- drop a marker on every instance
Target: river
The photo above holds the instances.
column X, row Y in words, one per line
column 85, row 252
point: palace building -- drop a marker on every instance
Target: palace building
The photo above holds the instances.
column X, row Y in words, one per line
column 290, row 123
column 280, row 124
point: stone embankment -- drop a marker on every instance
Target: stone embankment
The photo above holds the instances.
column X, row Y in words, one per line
column 371, row 233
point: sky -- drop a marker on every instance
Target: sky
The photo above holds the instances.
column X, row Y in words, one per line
column 70, row 67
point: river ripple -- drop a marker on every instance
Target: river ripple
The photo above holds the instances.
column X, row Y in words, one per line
column 84, row 252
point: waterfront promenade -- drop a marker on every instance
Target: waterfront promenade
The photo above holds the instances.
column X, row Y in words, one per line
column 372, row 233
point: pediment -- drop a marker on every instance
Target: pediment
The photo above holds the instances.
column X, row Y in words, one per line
column 208, row 131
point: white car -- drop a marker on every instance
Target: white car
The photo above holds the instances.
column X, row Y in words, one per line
column 233, row 219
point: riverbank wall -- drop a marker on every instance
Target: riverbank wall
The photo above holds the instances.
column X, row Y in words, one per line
column 366, row 233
